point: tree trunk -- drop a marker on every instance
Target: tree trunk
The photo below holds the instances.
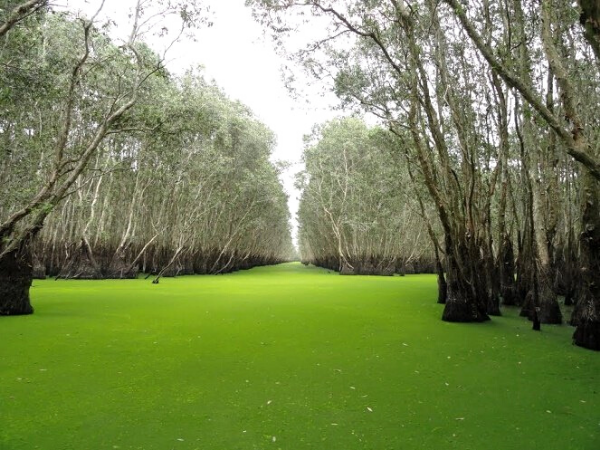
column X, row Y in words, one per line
column 15, row 281
column 524, row 266
column 38, row 268
column 120, row 269
column 441, row 279
column 487, row 286
column 549, row 309
column 508, row 286
column 586, row 315
column 81, row 264
column 462, row 303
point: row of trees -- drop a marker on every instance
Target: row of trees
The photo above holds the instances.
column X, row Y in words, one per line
column 493, row 106
column 196, row 195
column 358, row 213
column 110, row 164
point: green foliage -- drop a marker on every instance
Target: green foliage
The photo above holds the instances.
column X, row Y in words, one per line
column 183, row 162
column 356, row 201
column 40, row 57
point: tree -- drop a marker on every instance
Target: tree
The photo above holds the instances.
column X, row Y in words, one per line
column 15, row 12
column 575, row 131
column 93, row 82
column 446, row 79
column 189, row 189
column 356, row 212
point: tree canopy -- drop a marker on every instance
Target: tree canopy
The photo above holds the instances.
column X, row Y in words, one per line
column 493, row 107
column 111, row 165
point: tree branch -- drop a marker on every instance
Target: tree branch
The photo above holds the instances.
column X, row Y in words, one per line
column 21, row 12
column 577, row 146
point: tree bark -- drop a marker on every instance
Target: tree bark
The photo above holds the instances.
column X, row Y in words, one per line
column 586, row 315
column 15, row 280
column 590, row 20
column 506, row 263
column 441, row 279
column 462, row 302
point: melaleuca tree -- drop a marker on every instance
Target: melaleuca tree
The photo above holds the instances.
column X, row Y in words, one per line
column 566, row 111
column 496, row 99
column 190, row 189
column 14, row 11
column 80, row 87
column 356, row 214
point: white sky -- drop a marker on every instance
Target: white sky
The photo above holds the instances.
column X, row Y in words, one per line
column 237, row 55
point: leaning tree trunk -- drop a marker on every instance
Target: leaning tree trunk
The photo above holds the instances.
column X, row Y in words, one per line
column 81, row 264
column 586, row 315
column 15, row 280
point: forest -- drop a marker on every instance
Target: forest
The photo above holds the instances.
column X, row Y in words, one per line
column 421, row 271
column 482, row 165
column 487, row 139
column 111, row 165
